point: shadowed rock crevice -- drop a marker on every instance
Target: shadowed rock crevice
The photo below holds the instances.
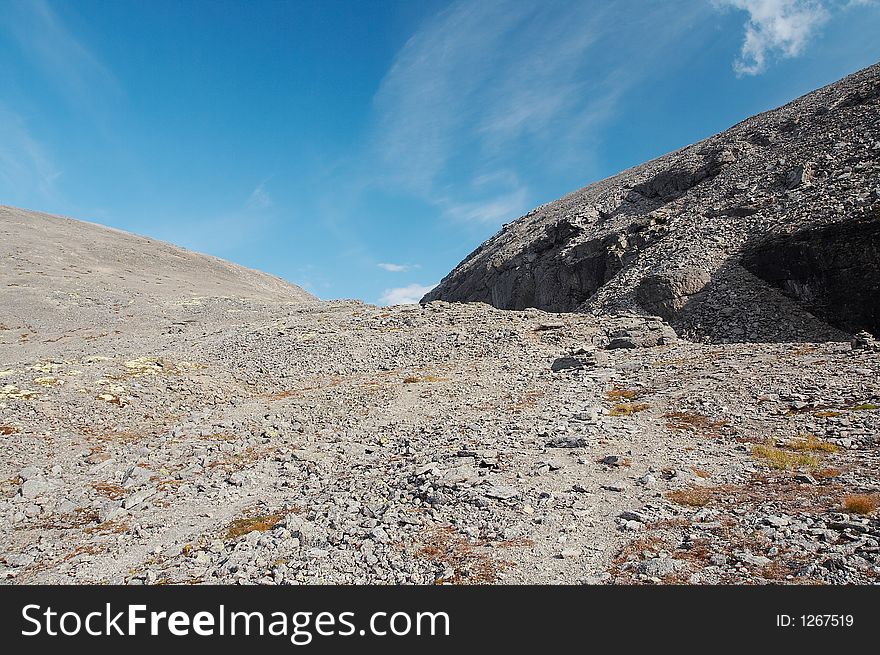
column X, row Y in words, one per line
column 734, row 306
column 833, row 271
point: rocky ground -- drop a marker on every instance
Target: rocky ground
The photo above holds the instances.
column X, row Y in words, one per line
column 338, row 442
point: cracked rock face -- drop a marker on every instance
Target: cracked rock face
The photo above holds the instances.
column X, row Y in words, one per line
column 677, row 237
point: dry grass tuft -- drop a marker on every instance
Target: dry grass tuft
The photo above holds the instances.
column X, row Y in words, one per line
column 618, row 395
column 634, row 549
column 79, row 518
column 810, row 443
column 470, row 562
column 259, row 523
column 700, row 473
column 827, row 473
column 692, row 422
column 516, row 542
column 783, row 460
column 526, row 401
column 108, row 489
column 88, row 549
column 425, row 378
column 826, row 413
column 107, row 527
column 627, row 409
column 691, row 497
column 861, row 503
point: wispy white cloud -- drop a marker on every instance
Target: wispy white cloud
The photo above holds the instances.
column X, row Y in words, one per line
column 486, row 88
column 779, row 28
column 394, row 268
column 53, row 47
column 431, row 93
column 27, row 170
column 491, row 210
column 260, row 198
column 51, row 52
column 405, row 295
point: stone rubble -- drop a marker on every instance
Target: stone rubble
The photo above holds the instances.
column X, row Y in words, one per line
column 443, row 446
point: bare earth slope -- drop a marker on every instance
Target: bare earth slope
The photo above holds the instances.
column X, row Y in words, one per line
column 60, row 277
column 158, row 427
column 750, row 235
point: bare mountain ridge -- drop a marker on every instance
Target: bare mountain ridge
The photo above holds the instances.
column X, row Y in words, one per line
column 60, row 277
column 127, row 261
column 706, row 236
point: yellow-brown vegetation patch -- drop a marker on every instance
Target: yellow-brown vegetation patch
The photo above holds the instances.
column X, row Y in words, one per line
column 783, row 460
column 108, row 489
column 810, row 443
column 258, row 523
column 692, row 422
column 627, row 409
column 861, row 503
column 691, row 496
column 619, row 395
column 471, row 563
column 413, row 379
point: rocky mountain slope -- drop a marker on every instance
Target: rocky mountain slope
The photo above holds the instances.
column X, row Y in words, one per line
column 61, row 278
column 765, row 232
column 169, row 418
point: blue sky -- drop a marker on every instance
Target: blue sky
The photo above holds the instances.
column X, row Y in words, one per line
column 362, row 149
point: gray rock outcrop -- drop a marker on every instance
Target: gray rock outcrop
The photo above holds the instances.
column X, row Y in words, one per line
column 692, row 236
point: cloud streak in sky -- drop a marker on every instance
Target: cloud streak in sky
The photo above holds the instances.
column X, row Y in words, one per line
column 485, row 84
column 405, row 295
column 26, row 167
column 460, row 85
column 260, row 198
column 781, row 28
column 394, row 268
column 74, row 77
column 494, row 210
column 54, row 48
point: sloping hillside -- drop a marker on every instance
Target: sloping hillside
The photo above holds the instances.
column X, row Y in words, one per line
column 59, row 276
column 750, row 235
